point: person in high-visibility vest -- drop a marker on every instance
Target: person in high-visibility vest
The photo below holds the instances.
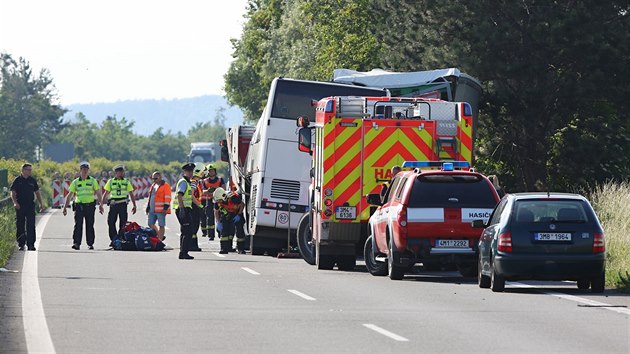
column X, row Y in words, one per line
column 118, row 189
column 183, row 209
column 209, row 185
column 84, row 205
column 228, row 209
column 159, row 204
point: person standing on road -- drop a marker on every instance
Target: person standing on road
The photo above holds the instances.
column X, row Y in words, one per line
column 183, row 209
column 228, row 209
column 159, row 204
column 209, row 184
column 84, row 206
column 197, row 208
column 24, row 189
column 118, row 189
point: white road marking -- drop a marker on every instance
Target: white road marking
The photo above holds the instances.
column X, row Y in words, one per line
column 251, row 271
column 219, row 254
column 386, row 333
column 622, row 310
column 302, row 295
column 36, row 331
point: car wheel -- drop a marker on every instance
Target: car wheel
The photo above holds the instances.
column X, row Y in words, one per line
column 583, row 284
column 598, row 283
column 305, row 240
column 482, row 280
column 326, row 262
column 395, row 272
column 347, row 263
column 373, row 266
column 497, row 282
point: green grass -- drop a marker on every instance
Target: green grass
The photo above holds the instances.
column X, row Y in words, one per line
column 7, row 234
column 612, row 204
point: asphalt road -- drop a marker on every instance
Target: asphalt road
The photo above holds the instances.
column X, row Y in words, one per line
column 115, row 301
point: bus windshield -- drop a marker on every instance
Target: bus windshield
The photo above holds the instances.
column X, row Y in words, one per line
column 293, row 98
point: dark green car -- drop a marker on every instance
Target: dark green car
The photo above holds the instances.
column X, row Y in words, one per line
column 541, row 236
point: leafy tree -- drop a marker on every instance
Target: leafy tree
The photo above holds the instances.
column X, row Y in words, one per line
column 29, row 114
column 550, row 69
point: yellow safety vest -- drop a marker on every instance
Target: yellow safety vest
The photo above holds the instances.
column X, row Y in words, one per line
column 118, row 188
column 187, row 197
column 84, row 189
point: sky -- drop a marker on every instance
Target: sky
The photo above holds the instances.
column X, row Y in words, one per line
column 106, row 51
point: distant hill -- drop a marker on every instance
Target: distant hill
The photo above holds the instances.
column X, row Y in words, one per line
column 176, row 115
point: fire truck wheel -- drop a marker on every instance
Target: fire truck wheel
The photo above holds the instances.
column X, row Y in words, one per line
column 373, row 266
column 326, row 262
column 347, row 263
column 305, row 240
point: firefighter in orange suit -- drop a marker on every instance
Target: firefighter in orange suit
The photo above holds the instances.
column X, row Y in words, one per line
column 197, row 208
column 209, row 185
column 228, row 209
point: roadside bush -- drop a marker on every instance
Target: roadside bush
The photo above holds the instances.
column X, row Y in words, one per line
column 7, row 234
column 612, row 204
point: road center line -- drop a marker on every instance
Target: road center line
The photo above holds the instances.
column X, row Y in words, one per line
column 574, row 298
column 251, row 271
column 302, row 295
column 385, row 332
column 36, row 331
column 219, row 254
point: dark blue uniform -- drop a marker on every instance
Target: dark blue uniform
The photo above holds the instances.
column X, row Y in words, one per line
column 25, row 189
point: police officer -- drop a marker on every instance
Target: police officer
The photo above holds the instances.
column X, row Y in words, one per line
column 183, row 209
column 23, row 190
column 209, row 185
column 228, row 209
column 84, row 206
column 118, row 189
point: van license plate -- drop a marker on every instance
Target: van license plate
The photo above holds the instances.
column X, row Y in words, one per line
column 344, row 212
column 552, row 236
column 452, row 243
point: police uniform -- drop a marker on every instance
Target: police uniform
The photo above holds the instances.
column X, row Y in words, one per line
column 119, row 190
column 84, row 207
column 231, row 223
column 184, row 212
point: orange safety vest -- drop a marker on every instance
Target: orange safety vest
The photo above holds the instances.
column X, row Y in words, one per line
column 230, row 206
column 162, row 198
column 197, row 191
column 211, row 186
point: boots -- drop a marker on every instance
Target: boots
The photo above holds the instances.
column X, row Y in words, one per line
column 240, row 246
column 225, row 247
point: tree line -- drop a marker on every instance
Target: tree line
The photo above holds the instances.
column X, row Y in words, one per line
column 31, row 117
column 554, row 112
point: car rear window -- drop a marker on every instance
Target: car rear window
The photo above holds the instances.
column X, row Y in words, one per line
column 451, row 191
column 545, row 210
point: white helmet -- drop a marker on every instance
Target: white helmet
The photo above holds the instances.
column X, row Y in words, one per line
column 219, row 194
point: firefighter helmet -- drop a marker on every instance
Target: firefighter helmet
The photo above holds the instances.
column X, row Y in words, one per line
column 210, row 167
column 219, row 194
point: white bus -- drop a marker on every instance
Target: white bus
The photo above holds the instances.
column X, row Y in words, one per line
column 276, row 174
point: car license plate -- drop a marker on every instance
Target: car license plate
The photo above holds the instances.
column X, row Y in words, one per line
column 452, row 243
column 344, row 212
column 552, row 236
